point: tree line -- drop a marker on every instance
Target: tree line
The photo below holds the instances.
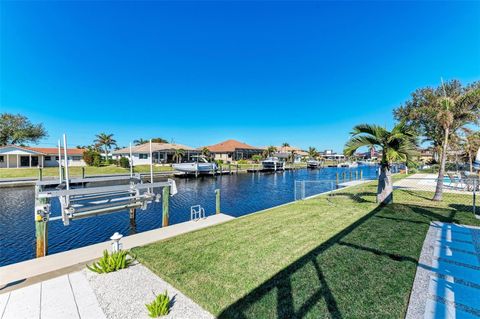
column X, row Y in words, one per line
column 443, row 116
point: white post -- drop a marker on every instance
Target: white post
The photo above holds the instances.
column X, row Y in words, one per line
column 18, row 161
column 151, row 164
column 59, row 162
column 131, row 161
column 30, row 160
column 8, row 161
column 67, row 180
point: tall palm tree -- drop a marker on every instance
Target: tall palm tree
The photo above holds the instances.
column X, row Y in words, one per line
column 205, row 152
column 453, row 112
column 292, row 156
column 140, row 141
column 399, row 144
column 470, row 144
column 270, row 151
column 312, row 152
column 106, row 141
column 178, row 154
column 438, row 113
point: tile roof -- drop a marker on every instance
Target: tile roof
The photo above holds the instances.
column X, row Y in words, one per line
column 230, row 146
column 47, row 150
column 145, row 148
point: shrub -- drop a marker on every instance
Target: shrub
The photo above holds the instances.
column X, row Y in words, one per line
column 256, row 158
column 124, row 162
column 97, row 161
column 91, row 157
column 160, row 306
column 112, row 262
column 242, row 161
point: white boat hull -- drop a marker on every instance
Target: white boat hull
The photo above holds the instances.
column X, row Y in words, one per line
column 195, row 167
column 272, row 164
column 313, row 164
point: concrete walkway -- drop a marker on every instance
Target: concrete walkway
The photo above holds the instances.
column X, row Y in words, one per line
column 64, row 297
column 447, row 282
column 35, row 270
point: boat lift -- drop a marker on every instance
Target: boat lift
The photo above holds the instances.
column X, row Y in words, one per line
column 82, row 201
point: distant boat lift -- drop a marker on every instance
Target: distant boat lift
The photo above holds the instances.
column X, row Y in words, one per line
column 83, row 202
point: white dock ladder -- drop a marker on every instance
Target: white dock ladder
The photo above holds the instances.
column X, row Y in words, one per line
column 197, row 212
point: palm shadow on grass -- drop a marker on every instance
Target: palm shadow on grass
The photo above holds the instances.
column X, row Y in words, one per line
column 281, row 282
column 395, row 247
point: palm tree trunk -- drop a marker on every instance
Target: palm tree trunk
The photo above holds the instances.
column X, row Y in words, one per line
column 470, row 161
column 385, row 187
column 441, row 172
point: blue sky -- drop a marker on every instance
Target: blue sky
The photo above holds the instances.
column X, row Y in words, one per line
column 201, row 72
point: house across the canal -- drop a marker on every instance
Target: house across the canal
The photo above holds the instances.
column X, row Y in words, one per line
column 163, row 153
column 232, row 150
column 13, row 156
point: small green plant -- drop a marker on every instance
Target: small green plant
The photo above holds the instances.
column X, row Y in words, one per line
column 160, row 306
column 112, row 262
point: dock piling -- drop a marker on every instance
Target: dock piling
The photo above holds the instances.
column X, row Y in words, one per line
column 217, row 201
column 133, row 215
column 165, row 202
column 41, row 225
column 361, row 174
column 336, row 175
column 356, row 175
column 83, row 172
column 40, row 174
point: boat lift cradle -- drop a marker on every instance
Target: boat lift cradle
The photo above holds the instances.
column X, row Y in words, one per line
column 76, row 203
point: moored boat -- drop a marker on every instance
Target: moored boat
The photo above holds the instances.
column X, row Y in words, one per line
column 313, row 164
column 273, row 163
column 201, row 166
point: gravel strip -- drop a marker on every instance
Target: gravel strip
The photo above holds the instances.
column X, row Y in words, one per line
column 123, row 294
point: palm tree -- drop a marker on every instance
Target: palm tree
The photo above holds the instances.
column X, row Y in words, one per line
column 140, row 141
column 205, row 152
column 438, row 113
column 178, row 154
column 312, row 152
column 453, row 112
column 105, row 140
column 292, row 156
column 470, row 144
column 270, row 151
column 399, row 144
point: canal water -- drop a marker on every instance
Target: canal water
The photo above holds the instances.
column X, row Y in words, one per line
column 241, row 194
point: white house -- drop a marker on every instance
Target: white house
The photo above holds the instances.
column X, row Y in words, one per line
column 162, row 153
column 13, row 156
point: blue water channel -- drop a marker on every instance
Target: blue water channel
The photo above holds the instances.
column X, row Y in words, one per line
column 241, row 194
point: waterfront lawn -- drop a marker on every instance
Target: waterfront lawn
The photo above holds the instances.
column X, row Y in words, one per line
column 334, row 257
column 77, row 171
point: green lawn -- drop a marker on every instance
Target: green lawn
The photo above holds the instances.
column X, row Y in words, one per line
column 338, row 257
column 77, row 171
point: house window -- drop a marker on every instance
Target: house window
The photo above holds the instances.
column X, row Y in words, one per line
column 142, row 156
column 57, row 158
column 76, row 158
column 1, row 159
column 48, row 158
